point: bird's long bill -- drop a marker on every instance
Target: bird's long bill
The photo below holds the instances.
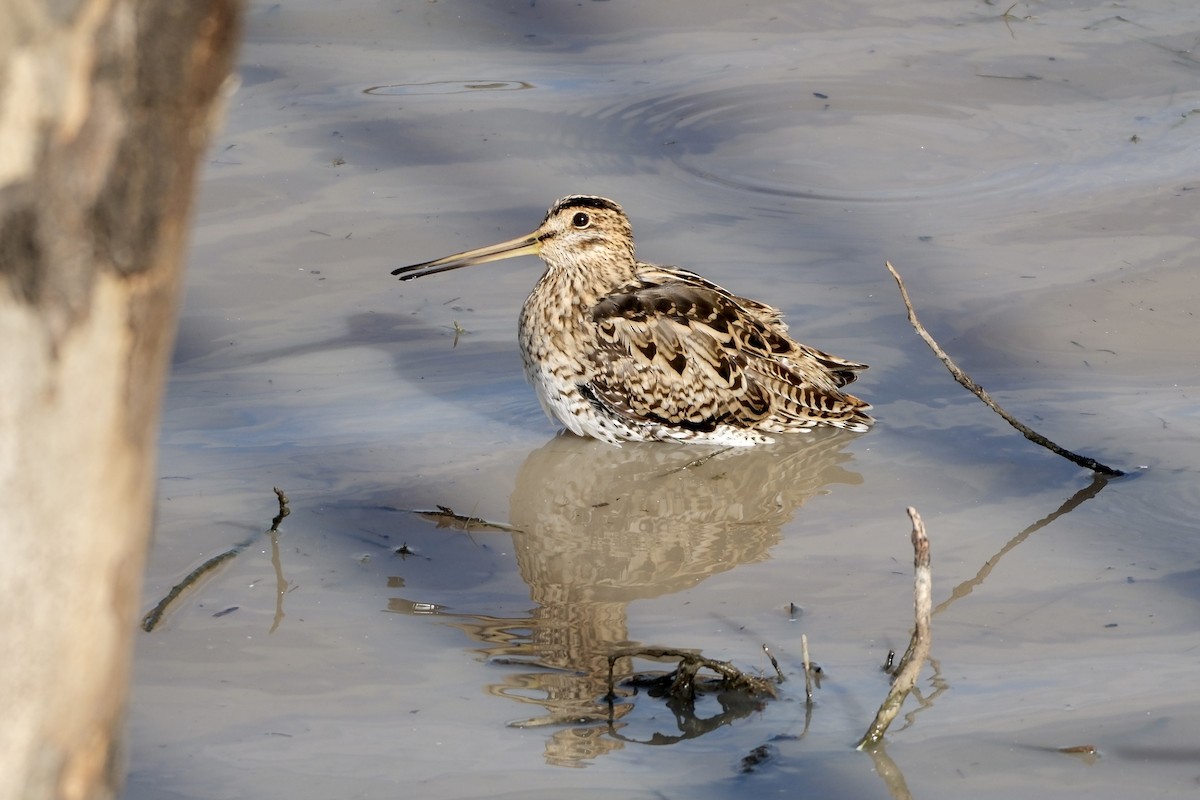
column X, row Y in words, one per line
column 521, row 246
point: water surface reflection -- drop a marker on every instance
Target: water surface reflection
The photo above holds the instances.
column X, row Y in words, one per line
column 598, row 527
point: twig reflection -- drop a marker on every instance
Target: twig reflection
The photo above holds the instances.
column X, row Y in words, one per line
column 1099, row 481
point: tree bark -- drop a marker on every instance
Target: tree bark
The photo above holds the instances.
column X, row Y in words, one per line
column 105, row 108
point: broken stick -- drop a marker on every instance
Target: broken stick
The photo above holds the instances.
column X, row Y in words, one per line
column 922, row 637
column 155, row 615
column 974, row 388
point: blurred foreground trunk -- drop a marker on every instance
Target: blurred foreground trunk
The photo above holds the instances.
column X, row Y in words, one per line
column 105, row 109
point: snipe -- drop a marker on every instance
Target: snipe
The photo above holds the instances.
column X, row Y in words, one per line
column 623, row 350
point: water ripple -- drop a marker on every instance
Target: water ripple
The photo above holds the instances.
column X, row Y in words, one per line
column 888, row 143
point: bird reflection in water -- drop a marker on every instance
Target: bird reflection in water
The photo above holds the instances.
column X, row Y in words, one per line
column 597, row 527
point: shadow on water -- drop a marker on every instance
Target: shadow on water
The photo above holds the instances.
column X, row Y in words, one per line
column 438, row 366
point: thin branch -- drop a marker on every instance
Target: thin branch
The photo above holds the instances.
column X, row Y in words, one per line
column 922, row 637
column 808, row 694
column 445, row 517
column 151, row 620
column 978, row 391
column 682, row 681
column 284, row 510
column 281, row 584
column 774, row 663
column 155, row 615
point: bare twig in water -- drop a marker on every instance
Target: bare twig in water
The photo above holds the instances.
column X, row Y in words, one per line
column 808, row 682
column 696, row 462
column 446, row 518
column 683, row 683
column 151, row 620
column 965, row 381
column 155, row 615
column 1006, row 16
column 775, row 664
column 281, row 584
column 922, row 638
column 283, row 510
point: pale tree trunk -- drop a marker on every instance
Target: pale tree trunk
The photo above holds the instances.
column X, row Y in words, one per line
column 105, row 109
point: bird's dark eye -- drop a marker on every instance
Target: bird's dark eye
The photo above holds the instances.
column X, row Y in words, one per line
column 581, row 220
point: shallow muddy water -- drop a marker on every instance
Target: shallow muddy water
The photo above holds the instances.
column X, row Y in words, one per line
column 1034, row 175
